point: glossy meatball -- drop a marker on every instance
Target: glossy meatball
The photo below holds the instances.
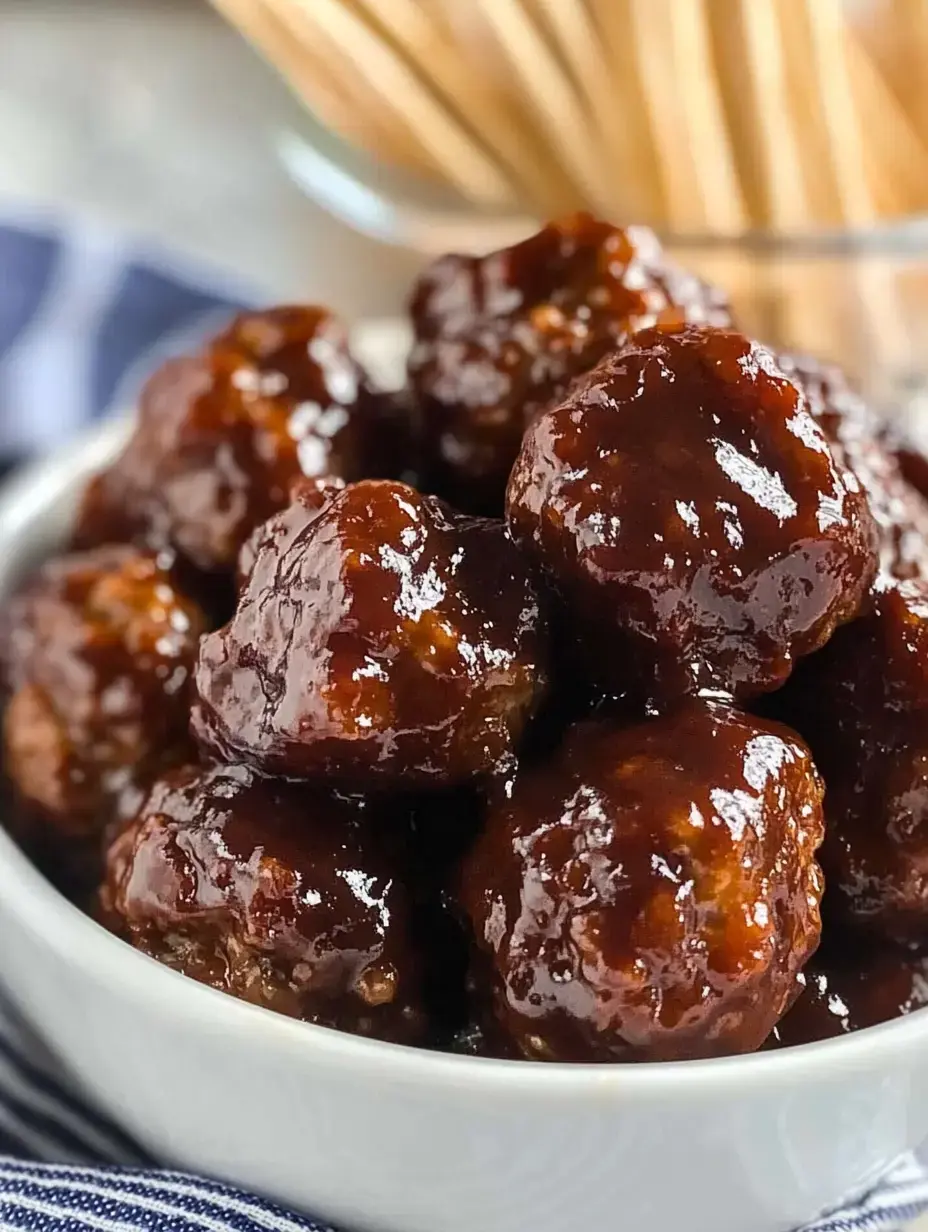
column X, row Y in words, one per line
column 687, row 507
column 912, row 460
column 907, row 437
column 383, row 640
column 652, row 892
column 312, row 495
column 441, row 826
column 276, row 893
column 869, row 987
column 222, row 436
column 478, row 1039
column 99, row 649
column 863, row 705
column 858, row 441
column 497, row 337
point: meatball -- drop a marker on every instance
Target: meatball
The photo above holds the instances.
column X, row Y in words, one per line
column 222, row 436
column 869, row 987
column 858, row 441
column 862, row 703
column 907, row 436
column 277, row 893
column 384, row 639
column 498, row 337
column 687, row 507
column 312, row 494
column 441, row 826
column 651, row 893
column 477, row 1039
column 913, row 463
column 99, row 650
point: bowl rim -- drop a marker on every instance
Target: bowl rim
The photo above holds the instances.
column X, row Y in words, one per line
column 62, row 927
column 395, row 206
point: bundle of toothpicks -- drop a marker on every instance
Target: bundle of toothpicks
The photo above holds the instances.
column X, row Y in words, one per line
column 700, row 117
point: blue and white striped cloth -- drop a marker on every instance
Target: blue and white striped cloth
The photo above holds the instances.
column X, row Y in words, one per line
column 64, row 1168
column 83, row 317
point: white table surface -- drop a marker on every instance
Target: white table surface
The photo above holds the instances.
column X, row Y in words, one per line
column 152, row 116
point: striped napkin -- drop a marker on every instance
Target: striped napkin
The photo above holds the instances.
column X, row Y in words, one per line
column 84, row 316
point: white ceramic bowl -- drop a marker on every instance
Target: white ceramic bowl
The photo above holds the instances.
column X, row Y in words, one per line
column 388, row 1139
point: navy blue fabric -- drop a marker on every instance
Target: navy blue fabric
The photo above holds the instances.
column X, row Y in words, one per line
column 146, row 307
column 27, row 263
column 83, row 318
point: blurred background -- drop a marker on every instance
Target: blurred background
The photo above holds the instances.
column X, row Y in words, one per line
column 155, row 119
column 321, row 150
